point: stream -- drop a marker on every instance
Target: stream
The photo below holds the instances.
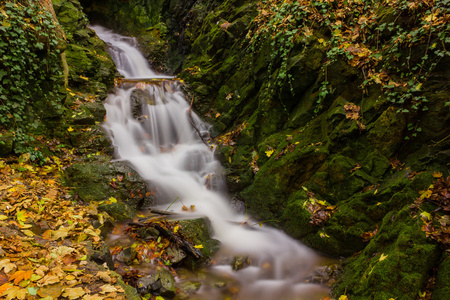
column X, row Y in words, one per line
column 161, row 140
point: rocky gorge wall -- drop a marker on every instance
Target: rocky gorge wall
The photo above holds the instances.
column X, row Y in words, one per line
column 332, row 160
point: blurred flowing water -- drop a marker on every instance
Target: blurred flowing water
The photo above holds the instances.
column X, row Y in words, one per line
column 165, row 148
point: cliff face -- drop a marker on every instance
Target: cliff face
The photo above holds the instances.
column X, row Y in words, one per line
column 332, row 119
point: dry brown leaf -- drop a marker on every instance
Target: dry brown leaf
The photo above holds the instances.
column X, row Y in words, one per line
column 48, row 279
column 93, row 297
column 53, row 291
column 107, row 288
column 104, row 276
column 73, row 293
column 7, row 266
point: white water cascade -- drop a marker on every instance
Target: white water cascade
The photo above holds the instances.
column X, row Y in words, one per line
column 163, row 146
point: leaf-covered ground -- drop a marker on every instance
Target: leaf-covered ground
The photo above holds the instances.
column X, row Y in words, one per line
column 44, row 237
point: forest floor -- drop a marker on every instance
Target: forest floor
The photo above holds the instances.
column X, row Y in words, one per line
column 45, row 238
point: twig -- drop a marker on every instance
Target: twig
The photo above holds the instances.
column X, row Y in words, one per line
column 189, row 113
column 173, row 203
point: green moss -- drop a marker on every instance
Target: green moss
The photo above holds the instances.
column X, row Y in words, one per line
column 442, row 290
column 395, row 264
column 296, row 219
column 386, row 133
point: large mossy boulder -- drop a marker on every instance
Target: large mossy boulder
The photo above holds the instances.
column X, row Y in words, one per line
column 395, row 263
column 91, row 70
column 114, row 184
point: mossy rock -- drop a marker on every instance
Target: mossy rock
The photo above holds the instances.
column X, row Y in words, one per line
column 296, row 219
column 199, row 232
column 395, row 264
column 387, row 132
column 100, row 180
column 6, row 143
column 442, row 290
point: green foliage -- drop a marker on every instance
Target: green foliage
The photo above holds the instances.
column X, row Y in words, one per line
column 395, row 44
column 29, row 67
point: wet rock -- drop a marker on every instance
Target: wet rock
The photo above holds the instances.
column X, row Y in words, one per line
column 176, row 255
column 148, row 284
column 168, row 284
column 127, row 255
column 138, row 99
column 161, row 283
column 148, row 232
column 325, row 275
column 199, row 232
column 101, row 255
column 240, row 262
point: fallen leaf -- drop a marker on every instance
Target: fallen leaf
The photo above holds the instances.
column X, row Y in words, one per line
column 63, row 250
column 7, row 266
column 107, row 288
column 383, row 257
column 15, row 293
column 4, row 287
column 104, row 276
column 198, row 246
column 269, row 152
column 28, row 232
column 437, row 174
column 73, row 293
column 53, row 291
column 20, row 275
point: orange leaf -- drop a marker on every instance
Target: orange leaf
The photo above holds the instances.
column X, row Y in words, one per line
column 20, row 275
column 4, row 287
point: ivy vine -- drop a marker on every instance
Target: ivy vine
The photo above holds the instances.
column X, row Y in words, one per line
column 29, row 69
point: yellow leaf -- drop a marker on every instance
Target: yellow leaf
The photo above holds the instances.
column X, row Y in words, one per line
column 4, row 287
column 270, row 152
column 21, row 216
column 383, row 257
column 323, row 235
column 175, row 229
column 70, row 129
column 425, row 194
column 3, row 217
column 28, row 232
column 85, row 78
column 426, row 216
column 112, row 199
column 15, row 293
column 343, row 297
column 198, row 246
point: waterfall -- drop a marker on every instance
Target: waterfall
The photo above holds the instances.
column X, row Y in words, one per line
column 151, row 127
